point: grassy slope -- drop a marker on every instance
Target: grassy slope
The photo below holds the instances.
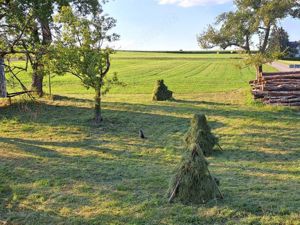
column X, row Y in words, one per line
column 289, row 62
column 183, row 73
column 59, row 168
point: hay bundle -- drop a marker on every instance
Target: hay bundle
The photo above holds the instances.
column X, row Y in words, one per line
column 193, row 182
column 200, row 133
column 161, row 92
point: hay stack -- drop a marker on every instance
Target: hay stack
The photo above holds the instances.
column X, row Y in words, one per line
column 200, row 133
column 193, row 182
column 161, row 92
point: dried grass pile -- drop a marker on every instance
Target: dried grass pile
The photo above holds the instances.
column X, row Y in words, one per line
column 200, row 133
column 193, row 182
column 161, row 92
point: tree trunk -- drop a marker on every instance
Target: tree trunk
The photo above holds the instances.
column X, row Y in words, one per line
column 3, row 92
column 38, row 68
column 98, row 117
column 266, row 39
column 37, row 81
column 37, row 78
column 259, row 71
column 247, row 47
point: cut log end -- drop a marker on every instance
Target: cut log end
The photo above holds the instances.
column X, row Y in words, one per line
column 278, row 88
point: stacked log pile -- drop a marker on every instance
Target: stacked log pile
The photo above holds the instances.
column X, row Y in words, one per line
column 282, row 88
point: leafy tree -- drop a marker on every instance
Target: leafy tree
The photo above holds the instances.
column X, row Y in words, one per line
column 279, row 42
column 80, row 50
column 41, row 27
column 295, row 12
column 251, row 19
column 14, row 25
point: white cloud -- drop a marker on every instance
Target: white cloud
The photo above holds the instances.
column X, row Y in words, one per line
column 190, row 3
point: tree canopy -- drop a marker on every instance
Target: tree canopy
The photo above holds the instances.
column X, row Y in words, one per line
column 279, row 42
column 27, row 26
column 252, row 19
column 80, row 50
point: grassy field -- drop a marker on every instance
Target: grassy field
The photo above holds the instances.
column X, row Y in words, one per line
column 289, row 62
column 57, row 168
column 183, row 73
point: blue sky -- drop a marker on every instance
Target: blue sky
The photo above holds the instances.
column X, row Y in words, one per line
column 170, row 24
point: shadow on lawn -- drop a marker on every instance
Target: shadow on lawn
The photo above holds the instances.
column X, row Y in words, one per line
column 126, row 172
column 123, row 120
column 128, row 178
column 194, row 102
column 216, row 109
column 72, row 99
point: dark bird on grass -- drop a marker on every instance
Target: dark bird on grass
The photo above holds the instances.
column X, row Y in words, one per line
column 141, row 133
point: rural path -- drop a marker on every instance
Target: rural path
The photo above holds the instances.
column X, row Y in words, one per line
column 281, row 67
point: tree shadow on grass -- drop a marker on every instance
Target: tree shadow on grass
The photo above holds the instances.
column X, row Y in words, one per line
column 161, row 126
column 230, row 111
column 32, row 147
column 207, row 107
column 91, row 146
column 194, row 102
column 102, row 175
column 117, row 164
column 6, row 195
column 72, row 99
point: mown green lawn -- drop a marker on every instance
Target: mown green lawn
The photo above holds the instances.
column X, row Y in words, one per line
column 183, row 73
column 57, row 168
column 289, row 62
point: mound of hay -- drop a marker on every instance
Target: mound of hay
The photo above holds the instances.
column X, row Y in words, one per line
column 161, row 92
column 193, row 182
column 200, row 133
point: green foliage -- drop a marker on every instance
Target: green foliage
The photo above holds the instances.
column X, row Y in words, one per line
column 295, row 12
column 27, row 27
column 193, row 182
column 259, row 59
column 161, row 92
column 200, row 134
column 79, row 50
column 235, row 30
column 250, row 20
column 280, row 43
column 15, row 21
